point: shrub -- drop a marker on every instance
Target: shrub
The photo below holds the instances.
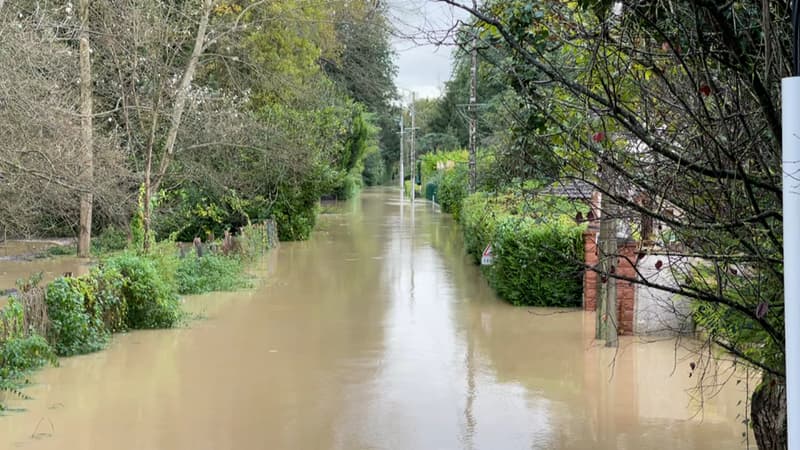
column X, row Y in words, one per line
column 348, row 186
column 478, row 219
column 106, row 283
column 374, row 169
column 148, row 293
column 209, row 273
column 453, row 189
column 537, row 247
column 537, row 263
column 76, row 323
column 21, row 350
column 21, row 354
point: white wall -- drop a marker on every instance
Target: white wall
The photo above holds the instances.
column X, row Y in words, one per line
column 658, row 312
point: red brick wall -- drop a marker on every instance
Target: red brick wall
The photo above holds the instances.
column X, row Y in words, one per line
column 590, row 276
column 626, row 291
column 626, row 267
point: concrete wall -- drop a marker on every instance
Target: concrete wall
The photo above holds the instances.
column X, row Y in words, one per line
column 658, row 312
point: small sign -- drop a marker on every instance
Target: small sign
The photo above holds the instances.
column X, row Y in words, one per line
column 488, row 258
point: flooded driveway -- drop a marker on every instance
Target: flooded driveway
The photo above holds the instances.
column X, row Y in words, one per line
column 375, row 334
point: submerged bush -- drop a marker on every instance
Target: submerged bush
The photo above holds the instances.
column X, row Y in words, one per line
column 537, row 263
column 150, row 298
column 196, row 275
column 537, row 247
column 22, row 354
column 453, row 190
column 21, row 350
column 76, row 322
column 107, row 283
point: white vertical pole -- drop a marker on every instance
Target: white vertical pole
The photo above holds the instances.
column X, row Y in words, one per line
column 402, row 138
column 413, row 155
column 791, row 252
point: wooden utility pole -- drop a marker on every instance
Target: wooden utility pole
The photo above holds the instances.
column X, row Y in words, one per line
column 86, row 181
column 473, row 114
column 606, row 327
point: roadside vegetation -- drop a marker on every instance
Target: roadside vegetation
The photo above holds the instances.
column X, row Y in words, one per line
column 672, row 112
column 126, row 290
column 536, row 243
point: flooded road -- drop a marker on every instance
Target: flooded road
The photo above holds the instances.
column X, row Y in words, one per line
column 375, row 334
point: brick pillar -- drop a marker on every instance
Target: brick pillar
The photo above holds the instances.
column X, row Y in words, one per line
column 590, row 276
column 626, row 291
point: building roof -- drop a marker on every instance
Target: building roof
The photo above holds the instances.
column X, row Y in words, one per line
column 571, row 189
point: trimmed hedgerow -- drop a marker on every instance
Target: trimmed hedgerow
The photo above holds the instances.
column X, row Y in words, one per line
column 537, row 247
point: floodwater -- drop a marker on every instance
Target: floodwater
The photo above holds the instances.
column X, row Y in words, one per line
column 376, row 334
column 17, row 262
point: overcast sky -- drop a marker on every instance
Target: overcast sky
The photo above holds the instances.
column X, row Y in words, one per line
column 423, row 67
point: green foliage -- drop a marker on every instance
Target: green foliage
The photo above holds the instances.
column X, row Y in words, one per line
column 478, row 219
column 196, row 212
column 538, row 249
column 433, row 163
column 111, row 239
column 21, row 354
column 106, row 283
column 739, row 332
column 349, row 186
column 537, row 263
column 296, row 214
column 197, row 275
column 20, row 350
column 76, row 321
column 374, row 169
column 61, row 250
column 147, row 291
column 453, row 190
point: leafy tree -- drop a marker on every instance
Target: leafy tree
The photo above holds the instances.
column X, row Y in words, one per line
column 672, row 111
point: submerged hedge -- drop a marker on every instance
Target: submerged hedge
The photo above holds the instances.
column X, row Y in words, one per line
column 537, row 247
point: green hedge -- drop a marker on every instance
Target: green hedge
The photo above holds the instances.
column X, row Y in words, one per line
column 537, row 247
column 453, row 190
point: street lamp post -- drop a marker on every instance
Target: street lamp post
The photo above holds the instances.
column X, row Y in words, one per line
column 791, row 232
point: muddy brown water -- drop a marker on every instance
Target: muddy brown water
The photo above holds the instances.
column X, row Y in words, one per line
column 18, row 262
column 375, row 334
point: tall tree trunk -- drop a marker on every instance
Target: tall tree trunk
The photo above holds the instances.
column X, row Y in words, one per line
column 152, row 185
column 768, row 414
column 87, row 154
